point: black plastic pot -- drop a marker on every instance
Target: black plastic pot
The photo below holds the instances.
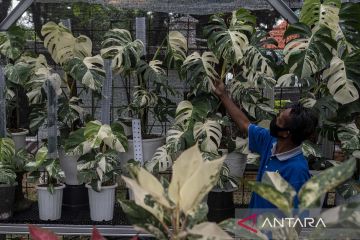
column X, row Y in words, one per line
column 7, row 194
column 221, row 206
column 21, row 202
column 75, row 196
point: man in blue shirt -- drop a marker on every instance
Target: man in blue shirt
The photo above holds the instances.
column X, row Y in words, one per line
column 279, row 147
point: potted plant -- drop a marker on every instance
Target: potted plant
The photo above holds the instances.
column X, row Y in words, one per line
column 328, row 78
column 80, row 69
column 151, row 95
column 174, row 210
column 98, row 144
column 49, row 193
column 7, row 177
column 12, row 46
column 234, row 47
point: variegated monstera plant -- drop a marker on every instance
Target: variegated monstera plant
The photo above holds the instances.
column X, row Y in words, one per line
column 323, row 60
column 235, row 48
column 175, row 210
column 148, row 78
column 81, row 68
column 98, row 145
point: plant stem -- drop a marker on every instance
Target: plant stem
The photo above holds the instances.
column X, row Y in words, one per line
column 158, row 50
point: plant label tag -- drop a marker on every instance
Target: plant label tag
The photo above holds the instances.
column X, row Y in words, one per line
column 137, row 140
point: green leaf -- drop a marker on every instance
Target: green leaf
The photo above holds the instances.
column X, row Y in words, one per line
column 176, row 49
column 202, row 68
column 276, row 190
column 143, row 219
column 349, row 136
column 209, row 135
column 95, row 135
column 349, row 26
column 62, row 45
column 310, row 52
column 339, row 84
column 12, row 43
column 7, row 176
column 226, row 42
column 311, row 149
column 320, row 13
column 119, row 46
column 88, row 71
column 328, row 179
column 161, row 159
column 7, row 152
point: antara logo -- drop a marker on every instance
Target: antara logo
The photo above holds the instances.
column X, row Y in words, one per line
column 280, row 222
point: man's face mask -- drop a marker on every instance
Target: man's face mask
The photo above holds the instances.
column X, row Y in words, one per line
column 275, row 129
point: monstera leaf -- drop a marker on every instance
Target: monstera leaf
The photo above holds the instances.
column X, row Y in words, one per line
column 161, row 159
column 320, row 13
column 340, row 86
column 256, row 69
column 175, row 138
column 144, row 98
column 12, row 42
column 151, row 71
column 96, row 135
column 62, row 45
column 38, row 82
column 318, row 185
column 119, row 46
column 89, row 71
column 209, row 134
column 226, row 42
column 176, row 49
column 188, row 112
column 349, row 26
column 251, row 100
column 310, row 52
column 201, row 67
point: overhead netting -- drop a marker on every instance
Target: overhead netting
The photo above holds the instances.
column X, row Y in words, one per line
column 198, row 7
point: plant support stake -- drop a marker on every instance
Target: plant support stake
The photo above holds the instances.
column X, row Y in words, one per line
column 106, row 93
column 52, row 121
column 140, row 31
column 2, row 103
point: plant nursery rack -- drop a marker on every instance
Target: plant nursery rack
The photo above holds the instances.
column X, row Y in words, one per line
column 72, row 222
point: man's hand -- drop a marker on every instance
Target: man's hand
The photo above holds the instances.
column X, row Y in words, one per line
column 219, row 88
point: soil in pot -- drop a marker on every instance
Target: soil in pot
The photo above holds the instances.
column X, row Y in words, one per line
column 221, row 206
column 7, row 201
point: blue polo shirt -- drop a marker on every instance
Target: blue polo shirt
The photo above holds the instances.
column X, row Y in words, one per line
column 291, row 165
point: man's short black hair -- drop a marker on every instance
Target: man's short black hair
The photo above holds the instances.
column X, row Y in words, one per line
column 302, row 124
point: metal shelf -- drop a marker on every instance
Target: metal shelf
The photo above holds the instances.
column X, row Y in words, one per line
column 60, row 229
column 73, row 222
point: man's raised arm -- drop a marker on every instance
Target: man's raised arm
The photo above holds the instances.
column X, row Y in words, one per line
column 235, row 112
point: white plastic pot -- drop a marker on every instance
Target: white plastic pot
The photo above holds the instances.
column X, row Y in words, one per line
column 50, row 204
column 19, row 138
column 68, row 164
column 102, row 203
column 149, row 149
column 236, row 162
